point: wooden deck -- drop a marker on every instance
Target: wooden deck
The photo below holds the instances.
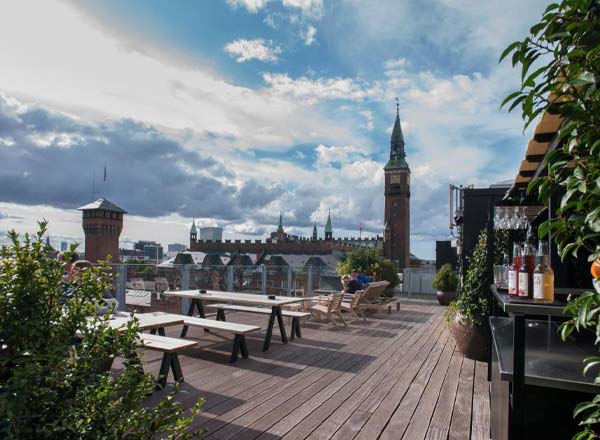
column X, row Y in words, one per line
column 395, row 377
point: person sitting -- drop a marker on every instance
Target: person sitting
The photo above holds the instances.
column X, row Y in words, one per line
column 363, row 279
column 353, row 283
column 345, row 280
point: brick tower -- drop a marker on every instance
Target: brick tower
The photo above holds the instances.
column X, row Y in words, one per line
column 102, row 225
column 396, row 245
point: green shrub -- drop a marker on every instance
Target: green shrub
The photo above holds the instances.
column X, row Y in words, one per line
column 445, row 280
column 472, row 303
column 54, row 354
column 371, row 263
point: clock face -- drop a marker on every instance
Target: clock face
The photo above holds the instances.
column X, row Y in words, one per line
column 395, row 178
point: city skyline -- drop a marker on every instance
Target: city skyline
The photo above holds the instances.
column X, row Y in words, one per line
column 233, row 111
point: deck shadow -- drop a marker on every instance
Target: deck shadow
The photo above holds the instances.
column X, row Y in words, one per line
column 248, row 432
column 418, row 317
column 253, row 363
column 309, row 354
column 317, row 343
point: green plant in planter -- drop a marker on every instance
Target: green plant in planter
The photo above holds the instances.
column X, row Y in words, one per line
column 55, row 353
column 472, row 304
column 445, row 280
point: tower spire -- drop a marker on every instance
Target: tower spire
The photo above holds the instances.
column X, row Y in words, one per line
column 328, row 228
column 397, row 153
column 280, row 227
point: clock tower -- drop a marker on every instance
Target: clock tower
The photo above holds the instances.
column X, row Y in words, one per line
column 396, row 245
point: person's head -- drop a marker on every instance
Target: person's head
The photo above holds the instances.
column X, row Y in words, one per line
column 78, row 266
column 345, row 280
column 68, row 258
column 353, row 274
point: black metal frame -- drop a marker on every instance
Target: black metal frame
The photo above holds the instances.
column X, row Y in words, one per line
column 194, row 304
column 170, row 361
column 295, row 330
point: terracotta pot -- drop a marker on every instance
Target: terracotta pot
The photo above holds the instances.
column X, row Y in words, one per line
column 471, row 339
column 446, row 296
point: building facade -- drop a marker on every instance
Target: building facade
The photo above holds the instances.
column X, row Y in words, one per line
column 397, row 200
column 102, row 225
column 211, row 233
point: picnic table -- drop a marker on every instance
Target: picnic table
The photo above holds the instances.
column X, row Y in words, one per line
column 154, row 321
column 197, row 297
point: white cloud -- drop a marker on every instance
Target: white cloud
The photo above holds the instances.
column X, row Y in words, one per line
column 395, row 63
column 258, row 49
column 251, row 5
column 368, row 114
column 318, row 89
column 310, row 35
column 312, row 8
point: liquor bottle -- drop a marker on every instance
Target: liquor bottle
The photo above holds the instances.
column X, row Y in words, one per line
column 543, row 276
column 525, row 287
column 513, row 271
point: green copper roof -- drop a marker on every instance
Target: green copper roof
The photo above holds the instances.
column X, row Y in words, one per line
column 193, row 228
column 397, row 153
column 280, row 228
column 328, row 227
column 315, row 229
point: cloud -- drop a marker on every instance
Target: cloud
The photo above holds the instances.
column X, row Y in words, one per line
column 251, row 5
column 258, row 49
column 395, row 63
column 313, row 90
column 312, row 8
column 310, row 35
column 163, row 176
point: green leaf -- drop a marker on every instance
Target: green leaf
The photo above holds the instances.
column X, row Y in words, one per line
column 508, row 50
column 583, row 79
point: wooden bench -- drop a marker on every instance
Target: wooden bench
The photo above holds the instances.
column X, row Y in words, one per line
column 373, row 299
column 170, row 361
column 295, row 330
column 239, row 331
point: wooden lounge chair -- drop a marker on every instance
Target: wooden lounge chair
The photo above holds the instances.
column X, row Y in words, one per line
column 352, row 306
column 333, row 307
column 372, row 298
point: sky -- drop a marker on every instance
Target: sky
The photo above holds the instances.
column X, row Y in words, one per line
column 232, row 111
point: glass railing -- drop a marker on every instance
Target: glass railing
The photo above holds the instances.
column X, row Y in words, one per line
column 140, row 286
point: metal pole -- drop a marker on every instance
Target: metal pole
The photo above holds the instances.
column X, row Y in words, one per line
column 185, row 285
column 230, row 278
column 120, row 292
column 289, row 281
column 309, row 281
column 263, row 280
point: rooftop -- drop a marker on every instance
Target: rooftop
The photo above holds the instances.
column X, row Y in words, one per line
column 103, row 204
column 397, row 376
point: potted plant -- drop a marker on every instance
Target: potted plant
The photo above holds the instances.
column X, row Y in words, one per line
column 467, row 315
column 445, row 282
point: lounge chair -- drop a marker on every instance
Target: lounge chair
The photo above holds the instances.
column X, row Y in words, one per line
column 352, row 306
column 372, row 298
column 333, row 307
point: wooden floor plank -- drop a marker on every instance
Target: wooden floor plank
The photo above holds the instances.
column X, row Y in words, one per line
column 480, row 426
column 326, row 417
column 440, row 421
column 421, row 419
column 406, row 393
column 416, row 407
column 460, row 426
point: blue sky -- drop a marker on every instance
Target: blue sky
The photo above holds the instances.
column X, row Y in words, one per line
column 231, row 111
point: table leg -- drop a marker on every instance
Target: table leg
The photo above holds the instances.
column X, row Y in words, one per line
column 281, row 326
column 237, row 345
column 164, row 371
column 194, row 304
column 176, row 367
column 243, row 346
column 161, row 331
column 270, row 329
column 220, row 315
